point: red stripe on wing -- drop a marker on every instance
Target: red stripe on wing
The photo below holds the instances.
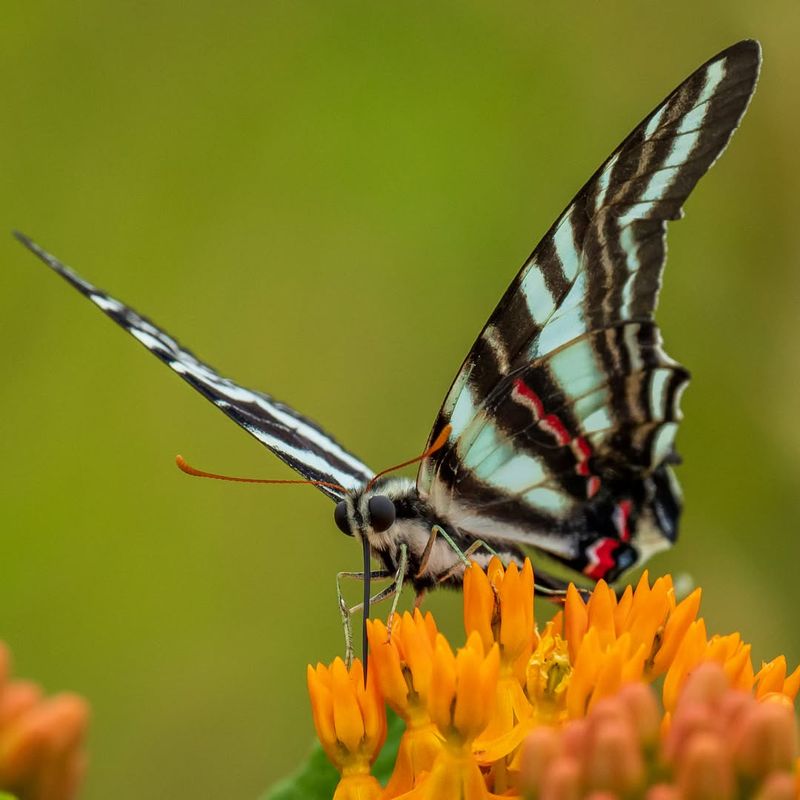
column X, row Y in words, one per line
column 581, row 449
column 601, row 558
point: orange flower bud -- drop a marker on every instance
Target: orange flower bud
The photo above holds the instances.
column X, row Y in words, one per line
column 614, row 762
column 778, row 786
column 563, row 780
column 704, row 772
column 662, row 792
column 642, row 707
column 539, row 750
column 767, row 739
column 41, row 739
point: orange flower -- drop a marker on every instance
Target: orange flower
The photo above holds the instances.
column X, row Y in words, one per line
column 351, row 724
column 461, row 685
column 650, row 615
column 600, row 671
column 498, row 606
column 543, row 702
column 772, row 679
column 733, row 655
column 548, row 676
column 41, row 739
column 403, row 663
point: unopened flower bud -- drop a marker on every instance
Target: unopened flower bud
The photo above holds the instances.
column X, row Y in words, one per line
column 573, row 739
column 539, row 750
column 767, row 739
column 704, row 771
column 614, row 759
column 662, row 792
column 778, row 786
column 640, row 702
column 563, row 781
column 689, row 721
column 707, row 684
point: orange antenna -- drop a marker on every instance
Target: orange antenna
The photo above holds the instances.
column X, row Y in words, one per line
column 438, row 444
column 183, row 466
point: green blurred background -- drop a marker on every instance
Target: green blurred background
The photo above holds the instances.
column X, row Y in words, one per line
column 327, row 200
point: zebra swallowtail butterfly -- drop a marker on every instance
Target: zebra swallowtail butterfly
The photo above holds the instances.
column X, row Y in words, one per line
column 557, row 434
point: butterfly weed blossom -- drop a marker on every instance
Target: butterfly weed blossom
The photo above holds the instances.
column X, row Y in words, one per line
column 567, row 709
column 41, row 739
column 350, row 720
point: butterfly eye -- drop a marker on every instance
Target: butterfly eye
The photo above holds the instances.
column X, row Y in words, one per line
column 340, row 518
column 382, row 513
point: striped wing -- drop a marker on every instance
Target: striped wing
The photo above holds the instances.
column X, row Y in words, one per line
column 564, row 412
column 295, row 439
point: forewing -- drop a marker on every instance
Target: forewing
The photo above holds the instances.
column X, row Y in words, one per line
column 567, row 405
column 295, row 439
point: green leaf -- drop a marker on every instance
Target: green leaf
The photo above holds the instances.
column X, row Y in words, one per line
column 317, row 778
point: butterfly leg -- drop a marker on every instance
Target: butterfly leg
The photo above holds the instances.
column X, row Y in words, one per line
column 477, row 545
column 400, row 576
column 392, row 590
column 463, row 556
column 552, row 588
column 436, row 531
column 347, row 612
column 473, row 548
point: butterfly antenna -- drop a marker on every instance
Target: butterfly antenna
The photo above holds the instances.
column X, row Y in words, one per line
column 438, row 444
column 184, row 466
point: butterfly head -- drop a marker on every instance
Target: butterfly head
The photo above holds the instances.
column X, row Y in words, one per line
column 371, row 512
column 380, row 515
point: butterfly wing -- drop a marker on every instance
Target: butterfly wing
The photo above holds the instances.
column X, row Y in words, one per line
column 295, row 439
column 564, row 412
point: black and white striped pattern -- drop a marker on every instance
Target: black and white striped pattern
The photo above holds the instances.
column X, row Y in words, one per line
column 567, row 401
column 295, row 439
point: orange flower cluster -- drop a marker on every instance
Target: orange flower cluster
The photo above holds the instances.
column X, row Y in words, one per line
column 41, row 739
column 722, row 744
column 520, row 709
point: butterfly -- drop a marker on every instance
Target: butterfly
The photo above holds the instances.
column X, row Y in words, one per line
column 557, row 435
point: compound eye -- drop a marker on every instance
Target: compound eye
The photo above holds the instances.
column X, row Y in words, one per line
column 382, row 513
column 340, row 518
